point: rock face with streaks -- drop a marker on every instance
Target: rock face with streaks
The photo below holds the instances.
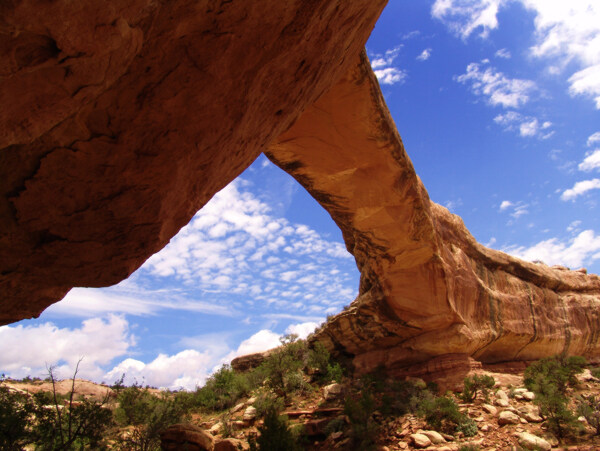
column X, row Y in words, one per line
column 120, row 121
column 427, row 289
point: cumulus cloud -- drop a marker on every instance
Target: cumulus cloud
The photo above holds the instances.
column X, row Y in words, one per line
column 582, row 249
column 593, row 139
column 464, row 17
column 580, row 188
column 496, row 87
column 424, row 55
column 383, row 66
column 527, row 126
column 27, row 350
column 590, row 162
column 505, row 204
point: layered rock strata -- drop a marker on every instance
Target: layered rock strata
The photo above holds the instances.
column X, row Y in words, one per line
column 120, row 120
column 427, row 287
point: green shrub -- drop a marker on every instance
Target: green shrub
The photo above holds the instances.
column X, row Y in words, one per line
column 549, row 379
column 275, row 435
column 558, row 372
column 403, row 397
column 266, row 402
column 222, row 390
column 442, row 414
column 475, row 384
column 15, row 419
column 281, row 367
column 149, row 414
column 320, row 359
column 589, row 408
column 360, row 413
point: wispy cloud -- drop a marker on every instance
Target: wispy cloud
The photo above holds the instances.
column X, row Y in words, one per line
column 516, row 209
column 590, row 162
column 384, row 68
column 593, row 139
column 565, row 32
column 527, row 126
column 424, row 55
column 573, row 252
column 498, row 89
column 580, row 188
column 503, row 53
column 464, row 17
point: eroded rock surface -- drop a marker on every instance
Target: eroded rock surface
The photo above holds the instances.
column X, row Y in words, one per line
column 120, row 120
column 428, row 289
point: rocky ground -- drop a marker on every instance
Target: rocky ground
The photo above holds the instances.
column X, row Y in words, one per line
column 508, row 419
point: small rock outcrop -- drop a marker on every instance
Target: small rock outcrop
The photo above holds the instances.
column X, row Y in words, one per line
column 186, row 436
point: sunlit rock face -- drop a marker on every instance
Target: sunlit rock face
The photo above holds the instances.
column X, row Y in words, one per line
column 121, row 119
column 427, row 287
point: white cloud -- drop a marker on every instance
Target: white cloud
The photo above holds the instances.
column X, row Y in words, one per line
column 593, row 139
column 590, row 162
column 503, row 53
column 528, row 126
column 452, row 205
column 385, row 70
column 424, row 55
column 464, row 17
column 573, row 226
column 573, row 252
column 505, row 204
column 580, row 188
column 390, row 75
column 566, row 32
column 186, row 369
column 26, row 350
column 518, row 209
column 496, row 87
column 303, row 330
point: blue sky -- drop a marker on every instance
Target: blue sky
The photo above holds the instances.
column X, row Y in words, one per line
column 498, row 105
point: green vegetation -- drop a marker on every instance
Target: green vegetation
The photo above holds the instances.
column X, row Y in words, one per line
column 442, row 414
column 475, row 384
column 550, row 379
column 275, row 435
column 589, row 408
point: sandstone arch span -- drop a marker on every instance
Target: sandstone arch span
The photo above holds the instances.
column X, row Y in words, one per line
column 112, row 141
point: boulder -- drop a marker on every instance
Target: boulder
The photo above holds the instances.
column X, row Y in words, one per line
column 249, row 414
column 434, row 436
column 489, row 409
column 420, row 440
column 507, row 417
column 332, row 391
column 530, row 441
column 186, row 436
column 231, row 444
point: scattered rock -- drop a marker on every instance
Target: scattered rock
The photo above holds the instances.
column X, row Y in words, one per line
column 434, row 436
column 402, row 445
column 485, row 427
column 507, row 417
column 586, row 376
column 249, row 414
column 177, row 436
column 332, row 391
column 502, row 399
column 336, row 435
column 237, row 408
column 530, row 441
column 529, row 396
column 531, row 415
column 420, row 440
column 231, row 444
column 489, row 409
column 216, row 428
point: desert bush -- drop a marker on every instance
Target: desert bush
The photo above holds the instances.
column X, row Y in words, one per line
column 149, row 414
column 589, row 408
column 403, row 397
column 475, row 384
column 327, row 370
column 359, row 411
column 281, row 366
column 266, row 402
column 558, row 372
column 222, row 390
column 15, row 419
column 275, row 435
column 442, row 414
column 549, row 379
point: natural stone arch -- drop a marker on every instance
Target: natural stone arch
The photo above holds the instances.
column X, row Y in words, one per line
column 110, row 146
